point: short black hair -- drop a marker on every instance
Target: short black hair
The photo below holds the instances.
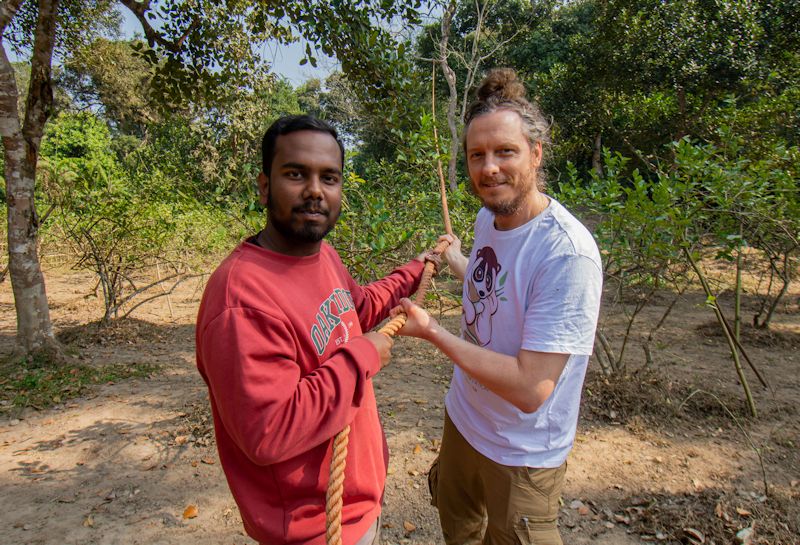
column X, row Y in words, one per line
column 287, row 125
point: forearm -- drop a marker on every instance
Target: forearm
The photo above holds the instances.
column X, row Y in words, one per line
column 458, row 265
column 502, row 374
column 270, row 407
column 374, row 300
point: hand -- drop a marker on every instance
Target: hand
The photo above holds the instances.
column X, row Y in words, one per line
column 419, row 323
column 430, row 257
column 453, row 251
column 383, row 344
column 452, row 254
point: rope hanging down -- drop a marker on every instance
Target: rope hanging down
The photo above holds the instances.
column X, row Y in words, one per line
column 335, row 491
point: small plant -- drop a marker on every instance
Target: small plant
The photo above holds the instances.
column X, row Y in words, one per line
column 35, row 384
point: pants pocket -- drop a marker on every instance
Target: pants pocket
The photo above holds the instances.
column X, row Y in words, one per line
column 532, row 530
column 433, row 480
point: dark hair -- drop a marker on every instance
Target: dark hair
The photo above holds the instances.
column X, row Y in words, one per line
column 287, row 125
column 501, row 89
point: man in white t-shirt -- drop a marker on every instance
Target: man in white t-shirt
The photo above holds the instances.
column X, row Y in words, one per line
column 531, row 298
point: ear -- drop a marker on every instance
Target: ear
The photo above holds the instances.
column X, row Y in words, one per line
column 263, row 188
column 536, row 154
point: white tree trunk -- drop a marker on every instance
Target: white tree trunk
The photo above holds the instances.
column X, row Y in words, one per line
column 21, row 153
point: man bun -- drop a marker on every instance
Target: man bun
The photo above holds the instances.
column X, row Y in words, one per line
column 503, row 84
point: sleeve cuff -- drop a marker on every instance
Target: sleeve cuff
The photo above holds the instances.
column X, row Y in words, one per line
column 366, row 355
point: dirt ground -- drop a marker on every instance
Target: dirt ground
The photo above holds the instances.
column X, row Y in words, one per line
column 657, row 457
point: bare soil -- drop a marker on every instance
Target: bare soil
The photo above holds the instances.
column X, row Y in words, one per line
column 664, row 454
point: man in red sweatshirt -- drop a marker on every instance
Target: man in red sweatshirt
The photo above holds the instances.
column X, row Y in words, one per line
column 281, row 344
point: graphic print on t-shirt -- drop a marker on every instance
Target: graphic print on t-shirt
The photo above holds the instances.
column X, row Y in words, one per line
column 484, row 293
column 329, row 317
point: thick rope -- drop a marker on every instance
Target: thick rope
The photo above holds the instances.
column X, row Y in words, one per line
column 333, row 496
column 335, row 491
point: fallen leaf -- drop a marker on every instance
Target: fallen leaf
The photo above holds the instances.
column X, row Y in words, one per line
column 584, row 510
column 695, row 537
column 209, row 461
column 195, row 463
column 743, row 512
column 88, row 522
column 417, row 449
column 181, row 440
column 190, row 512
column 408, row 526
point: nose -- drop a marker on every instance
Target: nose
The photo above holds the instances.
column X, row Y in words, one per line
column 313, row 188
column 490, row 166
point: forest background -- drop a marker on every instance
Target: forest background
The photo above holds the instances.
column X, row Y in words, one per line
column 675, row 131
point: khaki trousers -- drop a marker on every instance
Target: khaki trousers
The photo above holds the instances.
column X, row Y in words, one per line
column 481, row 501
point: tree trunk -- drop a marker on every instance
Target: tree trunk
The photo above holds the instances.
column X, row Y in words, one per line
column 21, row 152
column 597, row 154
column 452, row 102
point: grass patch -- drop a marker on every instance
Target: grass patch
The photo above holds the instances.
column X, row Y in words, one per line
column 30, row 385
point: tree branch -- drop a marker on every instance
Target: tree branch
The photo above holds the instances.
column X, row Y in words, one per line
column 140, row 9
column 8, row 10
column 40, row 93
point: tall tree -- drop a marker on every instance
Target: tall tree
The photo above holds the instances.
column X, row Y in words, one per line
column 197, row 47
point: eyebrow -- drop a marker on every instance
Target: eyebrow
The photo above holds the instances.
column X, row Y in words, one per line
column 301, row 166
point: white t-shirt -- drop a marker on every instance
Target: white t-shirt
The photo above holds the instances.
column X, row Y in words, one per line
column 536, row 287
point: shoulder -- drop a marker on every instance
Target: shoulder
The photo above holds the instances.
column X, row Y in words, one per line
column 239, row 281
column 568, row 237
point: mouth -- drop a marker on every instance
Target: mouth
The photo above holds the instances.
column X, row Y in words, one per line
column 311, row 213
column 492, row 183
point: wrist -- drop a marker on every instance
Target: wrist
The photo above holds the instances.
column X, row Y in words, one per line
column 432, row 332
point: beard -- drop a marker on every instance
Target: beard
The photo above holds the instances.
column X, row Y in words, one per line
column 510, row 206
column 307, row 232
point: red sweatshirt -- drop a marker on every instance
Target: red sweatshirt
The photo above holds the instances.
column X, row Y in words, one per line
column 279, row 345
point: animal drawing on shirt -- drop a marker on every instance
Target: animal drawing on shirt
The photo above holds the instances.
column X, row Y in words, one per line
column 483, row 296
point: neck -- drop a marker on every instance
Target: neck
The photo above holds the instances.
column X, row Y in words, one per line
column 271, row 239
column 534, row 205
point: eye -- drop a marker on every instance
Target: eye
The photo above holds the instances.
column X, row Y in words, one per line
column 293, row 174
column 331, row 179
column 478, row 274
column 475, row 155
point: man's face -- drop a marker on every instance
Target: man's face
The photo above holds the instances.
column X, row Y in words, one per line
column 502, row 165
column 303, row 193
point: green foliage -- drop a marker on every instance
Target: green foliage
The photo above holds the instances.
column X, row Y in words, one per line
column 392, row 210
column 710, row 197
column 38, row 386
column 121, row 225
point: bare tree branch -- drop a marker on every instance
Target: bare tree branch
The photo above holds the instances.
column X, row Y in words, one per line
column 140, row 9
column 7, row 11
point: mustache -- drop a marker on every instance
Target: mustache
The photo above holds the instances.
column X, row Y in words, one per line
column 311, row 208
